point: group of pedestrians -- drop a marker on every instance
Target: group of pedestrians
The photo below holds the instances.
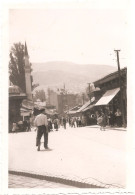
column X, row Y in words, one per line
column 75, row 122
column 110, row 119
column 54, row 124
column 45, row 125
column 21, row 126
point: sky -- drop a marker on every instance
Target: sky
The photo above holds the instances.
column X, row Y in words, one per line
column 86, row 35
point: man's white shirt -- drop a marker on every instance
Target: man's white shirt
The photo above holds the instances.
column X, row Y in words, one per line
column 40, row 120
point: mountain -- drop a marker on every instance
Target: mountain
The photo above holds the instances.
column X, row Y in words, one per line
column 75, row 76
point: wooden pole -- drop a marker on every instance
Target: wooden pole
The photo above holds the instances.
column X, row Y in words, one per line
column 121, row 90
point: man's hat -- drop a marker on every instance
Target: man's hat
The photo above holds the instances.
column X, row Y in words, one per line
column 40, row 108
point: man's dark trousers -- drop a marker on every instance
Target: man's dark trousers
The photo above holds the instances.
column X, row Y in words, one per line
column 42, row 130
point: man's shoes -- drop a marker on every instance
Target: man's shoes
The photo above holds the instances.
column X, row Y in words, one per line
column 38, row 149
column 46, row 147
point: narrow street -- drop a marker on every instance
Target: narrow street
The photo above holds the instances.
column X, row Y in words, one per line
column 85, row 154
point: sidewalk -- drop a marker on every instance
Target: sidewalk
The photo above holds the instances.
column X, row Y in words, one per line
column 16, row 181
column 109, row 128
column 81, row 157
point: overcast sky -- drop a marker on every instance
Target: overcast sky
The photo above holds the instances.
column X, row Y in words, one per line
column 84, row 35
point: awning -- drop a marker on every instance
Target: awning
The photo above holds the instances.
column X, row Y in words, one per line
column 71, row 112
column 87, row 104
column 74, row 110
column 28, row 104
column 25, row 112
column 88, row 108
column 107, row 97
column 84, row 106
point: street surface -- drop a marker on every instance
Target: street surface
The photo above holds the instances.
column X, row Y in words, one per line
column 83, row 154
column 16, row 181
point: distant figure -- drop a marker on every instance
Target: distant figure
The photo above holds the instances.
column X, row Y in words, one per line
column 50, row 128
column 25, row 125
column 20, row 126
column 28, row 125
column 73, row 122
column 64, row 123
column 79, row 122
column 69, row 121
column 83, row 121
column 118, row 118
column 14, row 128
column 102, row 121
column 42, row 124
column 56, row 124
column 111, row 118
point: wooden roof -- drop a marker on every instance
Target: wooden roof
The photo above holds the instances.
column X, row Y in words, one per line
column 110, row 77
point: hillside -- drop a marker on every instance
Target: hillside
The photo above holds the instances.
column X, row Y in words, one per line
column 74, row 76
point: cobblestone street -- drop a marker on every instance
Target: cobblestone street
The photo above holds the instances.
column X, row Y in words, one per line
column 16, row 181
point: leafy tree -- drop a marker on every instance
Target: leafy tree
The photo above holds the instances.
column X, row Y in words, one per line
column 16, row 65
column 40, row 94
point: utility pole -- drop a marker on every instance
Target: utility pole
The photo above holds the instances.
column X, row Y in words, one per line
column 120, row 85
column 89, row 92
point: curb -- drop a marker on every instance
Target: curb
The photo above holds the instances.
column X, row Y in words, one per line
column 77, row 184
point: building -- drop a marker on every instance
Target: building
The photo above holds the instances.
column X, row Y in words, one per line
column 62, row 100
column 107, row 96
column 112, row 96
column 16, row 96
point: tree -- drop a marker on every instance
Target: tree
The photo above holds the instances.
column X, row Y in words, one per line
column 16, row 65
column 40, row 94
column 35, row 85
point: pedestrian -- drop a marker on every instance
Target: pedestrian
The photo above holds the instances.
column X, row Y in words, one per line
column 28, row 125
column 69, row 121
column 118, row 118
column 83, row 121
column 25, row 125
column 79, row 122
column 111, row 118
column 42, row 124
column 50, row 128
column 55, row 122
column 20, row 125
column 64, row 123
column 102, row 121
column 14, row 128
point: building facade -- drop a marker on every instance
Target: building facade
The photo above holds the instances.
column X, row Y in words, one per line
column 107, row 95
column 113, row 95
column 62, row 100
column 15, row 100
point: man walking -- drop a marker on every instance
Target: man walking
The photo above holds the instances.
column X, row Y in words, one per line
column 42, row 124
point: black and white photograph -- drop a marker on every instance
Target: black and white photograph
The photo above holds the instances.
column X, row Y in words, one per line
column 67, row 95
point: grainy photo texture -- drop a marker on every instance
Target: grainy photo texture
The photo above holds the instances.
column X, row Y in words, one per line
column 67, row 98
